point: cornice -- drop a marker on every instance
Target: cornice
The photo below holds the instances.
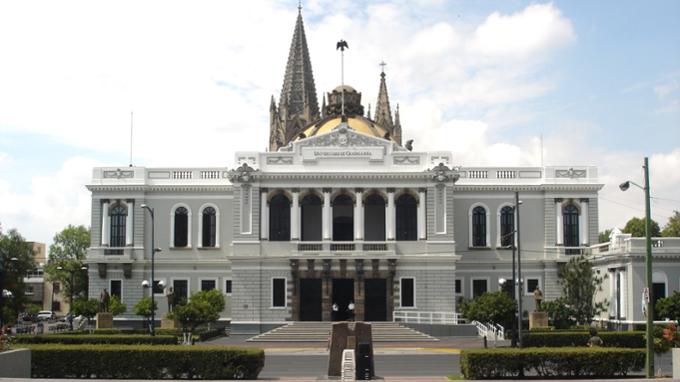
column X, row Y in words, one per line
column 161, row 188
column 536, row 187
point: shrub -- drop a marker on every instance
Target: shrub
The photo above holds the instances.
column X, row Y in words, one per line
column 497, row 307
column 559, row 313
column 145, row 362
column 116, row 307
column 545, row 362
column 86, row 308
column 122, row 339
column 580, row 338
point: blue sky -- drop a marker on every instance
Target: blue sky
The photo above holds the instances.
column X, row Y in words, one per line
column 599, row 80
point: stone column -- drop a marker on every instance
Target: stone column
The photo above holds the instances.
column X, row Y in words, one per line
column 106, row 232
column 359, row 215
column 128, row 222
column 264, row 214
column 558, row 229
column 389, row 215
column 422, row 224
column 295, row 216
column 326, row 214
column 583, row 222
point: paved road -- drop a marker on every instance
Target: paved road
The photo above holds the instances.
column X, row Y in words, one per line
column 405, row 365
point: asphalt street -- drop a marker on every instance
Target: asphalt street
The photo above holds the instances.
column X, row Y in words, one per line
column 405, row 365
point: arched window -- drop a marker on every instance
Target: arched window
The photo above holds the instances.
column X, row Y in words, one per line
column 407, row 217
column 343, row 218
column 507, row 225
column 374, row 218
column 118, row 217
column 311, row 217
column 279, row 218
column 570, row 218
column 479, row 227
column 181, row 227
column 209, row 223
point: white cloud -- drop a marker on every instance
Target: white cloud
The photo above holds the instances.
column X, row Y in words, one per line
column 52, row 202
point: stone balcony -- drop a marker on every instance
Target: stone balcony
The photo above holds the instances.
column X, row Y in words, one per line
column 624, row 244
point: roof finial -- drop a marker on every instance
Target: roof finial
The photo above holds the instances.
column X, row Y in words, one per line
column 299, row 6
column 382, row 65
column 342, row 45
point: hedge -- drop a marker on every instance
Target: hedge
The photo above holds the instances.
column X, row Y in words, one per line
column 550, row 362
column 562, row 339
column 144, row 362
column 95, row 339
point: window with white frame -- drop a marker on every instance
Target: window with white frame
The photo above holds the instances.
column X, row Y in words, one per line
column 181, row 225
column 479, row 287
column 531, row 284
column 279, row 293
column 227, row 286
column 408, row 292
column 208, row 284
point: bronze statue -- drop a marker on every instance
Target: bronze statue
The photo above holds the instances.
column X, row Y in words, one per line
column 538, row 297
column 104, row 301
column 171, row 299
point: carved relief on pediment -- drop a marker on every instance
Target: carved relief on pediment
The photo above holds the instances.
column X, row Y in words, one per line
column 342, row 136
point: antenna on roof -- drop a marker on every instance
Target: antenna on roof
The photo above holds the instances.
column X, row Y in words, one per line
column 131, row 126
column 342, row 45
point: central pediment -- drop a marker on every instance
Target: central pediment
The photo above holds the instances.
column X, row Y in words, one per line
column 342, row 136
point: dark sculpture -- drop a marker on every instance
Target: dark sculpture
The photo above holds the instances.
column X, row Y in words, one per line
column 171, row 300
column 104, row 301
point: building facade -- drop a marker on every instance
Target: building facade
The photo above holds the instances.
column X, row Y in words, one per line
column 338, row 212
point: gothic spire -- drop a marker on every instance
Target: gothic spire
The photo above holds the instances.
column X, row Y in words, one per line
column 298, row 94
column 383, row 113
column 396, row 132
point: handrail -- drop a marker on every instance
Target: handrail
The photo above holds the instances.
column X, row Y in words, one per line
column 420, row 317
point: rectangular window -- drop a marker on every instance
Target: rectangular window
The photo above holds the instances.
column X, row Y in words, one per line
column 116, row 289
column 459, row 286
column 479, row 287
column 227, row 286
column 181, row 290
column 208, row 285
column 532, row 284
column 279, row 293
column 157, row 288
column 408, row 293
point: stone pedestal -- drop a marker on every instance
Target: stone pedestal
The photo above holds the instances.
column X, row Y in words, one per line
column 104, row 321
column 538, row 320
column 167, row 323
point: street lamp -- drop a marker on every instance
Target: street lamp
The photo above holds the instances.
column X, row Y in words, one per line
column 3, row 292
column 516, row 281
column 72, row 272
column 649, row 367
column 153, row 257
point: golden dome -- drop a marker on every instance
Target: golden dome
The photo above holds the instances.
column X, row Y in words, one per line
column 357, row 123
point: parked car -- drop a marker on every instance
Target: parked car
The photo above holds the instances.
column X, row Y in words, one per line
column 45, row 315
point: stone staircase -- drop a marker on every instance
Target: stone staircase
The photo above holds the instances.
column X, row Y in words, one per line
column 314, row 331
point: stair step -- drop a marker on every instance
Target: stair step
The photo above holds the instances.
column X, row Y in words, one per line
column 320, row 331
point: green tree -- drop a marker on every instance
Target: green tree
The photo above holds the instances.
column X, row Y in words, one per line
column 12, row 273
column 68, row 252
column 579, row 285
column 636, row 227
column 497, row 308
column 669, row 307
column 559, row 313
column 604, row 236
column 87, row 308
column 116, row 307
column 672, row 228
column 202, row 308
column 144, row 308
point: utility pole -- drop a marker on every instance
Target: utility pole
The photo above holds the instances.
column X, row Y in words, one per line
column 519, row 276
column 650, row 308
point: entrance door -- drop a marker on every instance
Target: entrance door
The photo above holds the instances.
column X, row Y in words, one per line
column 658, row 291
column 310, row 299
column 375, row 307
column 343, row 295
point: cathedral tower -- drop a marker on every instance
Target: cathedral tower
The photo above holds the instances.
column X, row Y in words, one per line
column 298, row 105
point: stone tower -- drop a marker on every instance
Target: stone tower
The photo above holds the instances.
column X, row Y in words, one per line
column 298, row 106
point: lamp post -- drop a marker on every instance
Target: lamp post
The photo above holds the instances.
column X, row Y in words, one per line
column 72, row 272
column 519, row 272
column 649, row 367
column 153, row 257
column 4, row 293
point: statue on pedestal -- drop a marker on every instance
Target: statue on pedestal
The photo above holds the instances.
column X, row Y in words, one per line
column 538, row 297
column 104, row 301
column 171, row 299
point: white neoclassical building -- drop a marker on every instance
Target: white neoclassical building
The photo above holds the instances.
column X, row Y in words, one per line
column 338, row 211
